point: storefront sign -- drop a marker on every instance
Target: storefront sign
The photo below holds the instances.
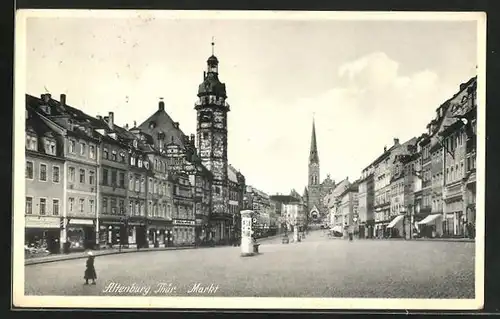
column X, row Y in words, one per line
column 73, row 221
column 184, row 222
column 42, row 222
column 111, row 223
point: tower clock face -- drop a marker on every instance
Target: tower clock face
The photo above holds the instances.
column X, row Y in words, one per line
column 205, row 116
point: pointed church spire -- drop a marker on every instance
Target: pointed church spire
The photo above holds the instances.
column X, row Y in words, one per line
column 313, row 155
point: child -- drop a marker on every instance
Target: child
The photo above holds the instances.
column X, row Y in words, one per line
column 90, row 270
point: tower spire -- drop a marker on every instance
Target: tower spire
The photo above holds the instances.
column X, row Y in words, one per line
column 213, row 45
column 313, row 155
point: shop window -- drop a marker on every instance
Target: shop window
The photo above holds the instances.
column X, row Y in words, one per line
column 29, row 170
column 29, row 205
column 55, row 207
column 43, row 172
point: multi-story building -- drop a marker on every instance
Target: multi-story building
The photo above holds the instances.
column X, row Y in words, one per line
column 458, row 139
column 184, row 219
column 366, row 196
column 236, row 186
column 44, row 181
column 81, row 141
column 113, row 183
column 332, row 201
column 347, row 208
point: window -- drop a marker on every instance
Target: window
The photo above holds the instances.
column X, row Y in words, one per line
column 55, row 207
column 131, row 182
column 137, row 208
column 139, row 163
column 131, row 207
column 72, row 146
column 137, row 185
column 50, row 147
column 150, row 188
column 29, row 170
column 122, row 158
column 122, row 179
column 113, row 178
column 29, row 205
column 105, row 153
column 143, row 185
column 71, row 173
column 82, row 176
column 91, row 206
column 113, row 156
column 71, row 203
column 83, row 149
column 92, row 151
column 132, row 160
column 43, row 172
column 113, row 206
column 122, row 206
column 91, row 177
column 55, row 174
column 43, row 206
column 104, row 176
column 31, row 143
column 104, row 205
column 82, row 205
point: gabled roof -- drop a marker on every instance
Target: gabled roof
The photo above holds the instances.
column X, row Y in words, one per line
column 163, row 123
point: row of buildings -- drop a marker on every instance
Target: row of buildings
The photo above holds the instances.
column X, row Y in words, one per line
column 91, row 183
column 425, row 186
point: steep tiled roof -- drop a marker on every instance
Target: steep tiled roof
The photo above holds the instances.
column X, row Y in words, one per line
column 163, row 123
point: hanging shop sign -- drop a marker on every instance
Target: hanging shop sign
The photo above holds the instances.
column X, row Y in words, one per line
column 184, row 222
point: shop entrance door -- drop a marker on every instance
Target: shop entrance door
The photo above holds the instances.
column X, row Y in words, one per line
column 89, row 233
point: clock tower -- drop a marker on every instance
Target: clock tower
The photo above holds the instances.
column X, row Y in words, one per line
column 212, row 110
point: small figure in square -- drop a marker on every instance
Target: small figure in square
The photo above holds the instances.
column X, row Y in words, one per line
column 90, row 269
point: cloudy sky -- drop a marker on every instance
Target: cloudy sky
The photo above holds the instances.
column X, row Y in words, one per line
column 364, row 82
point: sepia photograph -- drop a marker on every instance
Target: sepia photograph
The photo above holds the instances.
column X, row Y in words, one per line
column 249, row 160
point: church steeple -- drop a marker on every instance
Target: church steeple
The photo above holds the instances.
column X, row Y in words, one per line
column 313, row 154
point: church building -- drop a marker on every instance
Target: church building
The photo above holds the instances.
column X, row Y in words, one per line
column 316, row 190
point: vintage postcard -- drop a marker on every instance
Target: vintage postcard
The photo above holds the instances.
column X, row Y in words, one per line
column 249, row 160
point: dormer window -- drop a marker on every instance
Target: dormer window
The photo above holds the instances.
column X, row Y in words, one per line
column 113, row 155
column 31, row 142
column 152, row 125
column 50, row 147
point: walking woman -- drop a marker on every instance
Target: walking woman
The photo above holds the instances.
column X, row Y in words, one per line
column 90, row 269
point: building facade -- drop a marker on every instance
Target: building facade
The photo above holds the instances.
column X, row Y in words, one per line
column 44, row 183
column 366, row 196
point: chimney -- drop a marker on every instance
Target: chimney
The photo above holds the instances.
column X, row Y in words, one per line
column 126, row 126
column 46, row 97
column 396, row 141
column 63, row 99
column 99, row 117
column 161, row 105
column 385, row 148
column 111, row 120
column 176, row 125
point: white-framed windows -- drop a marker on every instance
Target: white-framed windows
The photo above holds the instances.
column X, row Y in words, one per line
column 91, row 177
column 43, row 172
column 42, row 208
column 82, row 175
column 131, row 182
column 72, row 145
column 50, row 147
column 71, row 203
column 55, row 174
column 105, row 153
column 92, row 151
column 31, row 143
column 71, row 174
column 29, row 205
column 29, row 170
column 83, row 149
column 91, row 206
column 55, row 207
column 82, row 205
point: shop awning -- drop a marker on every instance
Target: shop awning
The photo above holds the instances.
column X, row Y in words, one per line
column 429, row 219
column 395, row 221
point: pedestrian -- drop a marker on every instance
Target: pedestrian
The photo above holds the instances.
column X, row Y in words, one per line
column 351, row 235
column 90, row 269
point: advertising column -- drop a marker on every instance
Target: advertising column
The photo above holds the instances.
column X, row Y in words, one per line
column 246, row 233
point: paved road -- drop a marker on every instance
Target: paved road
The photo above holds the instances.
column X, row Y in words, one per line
column 315, row 267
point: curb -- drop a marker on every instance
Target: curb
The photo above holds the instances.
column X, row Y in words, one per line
column 28, row 262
